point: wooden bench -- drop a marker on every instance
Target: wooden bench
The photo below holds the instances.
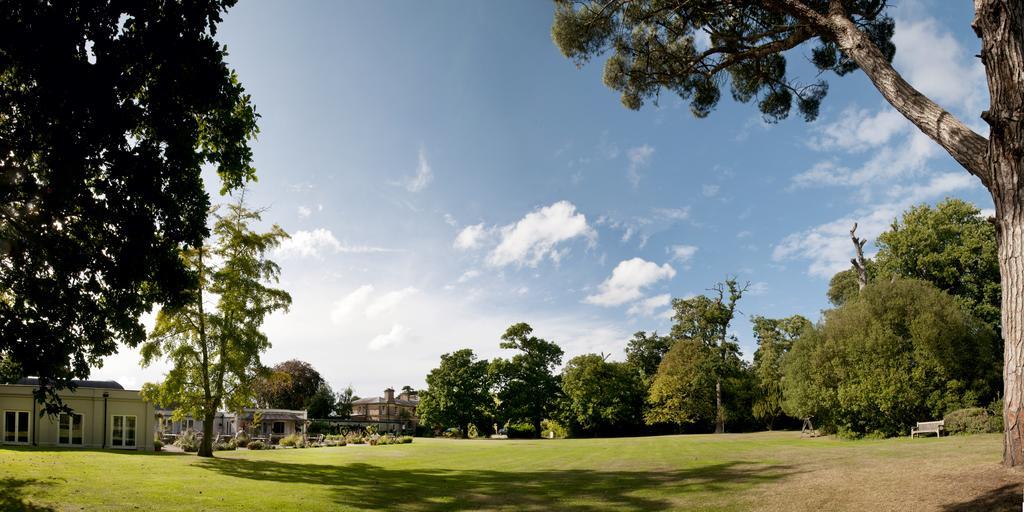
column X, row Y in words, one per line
column 925, row 427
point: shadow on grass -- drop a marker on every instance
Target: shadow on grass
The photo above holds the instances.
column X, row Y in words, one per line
column 368, row 486
column 12, row 492
column 1007, row 497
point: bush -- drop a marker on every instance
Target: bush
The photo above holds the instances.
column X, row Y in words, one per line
column 241, row 439
column 256, row 445
column 548, row 427
column 452, row 433
column 224, row 446
column 294, row 440
column 158, row 444
column 995, row 416
column 405, row 439
column 188, row 441
column 473, row 432
column 972, row 420
column 355, row 439
column 521, row 431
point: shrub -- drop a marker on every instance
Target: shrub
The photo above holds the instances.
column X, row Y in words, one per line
column 473, row 432
column 224, row 446
column 549, row 427
column 188, row 441
column 520, row 431
column 995, row 416
column 158, row 444
column 295, row 440
column 355, row 439
column 972, row 420
column 405, row 439
column 453, row 432
column 241, row 439
column 256, row 445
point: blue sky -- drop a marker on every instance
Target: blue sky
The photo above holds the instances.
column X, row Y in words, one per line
column 445, row 172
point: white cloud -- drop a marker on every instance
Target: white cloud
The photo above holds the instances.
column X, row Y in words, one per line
column 828, row 246
column 638, row 157
column 450, row 220
column 934, row 62
column 389, row 301
column 649, row 306
column 351, row 303
column 627, row 281
column 888, row 163
column 396, row 336
column 682, row 253
column 307, row 244
column 469, row 274
column 471, row 237
column 758, row 288
column 710, row 190
column 424, row 175
column 304, row 212
column 537, row 234
column 673, row 213
column 857, row 130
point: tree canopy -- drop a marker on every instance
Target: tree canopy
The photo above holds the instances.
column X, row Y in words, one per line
column 775, row 338
column 645, row 352
column 458, row 392
column 215, row 348
column 289, row 385
column 108, row 112
column 601, row 397
column 901, row 351
column 527, row 386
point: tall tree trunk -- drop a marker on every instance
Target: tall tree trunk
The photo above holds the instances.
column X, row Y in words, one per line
column 536, row 427
column 719, row 414
column 206, row 446
column 1000, row 25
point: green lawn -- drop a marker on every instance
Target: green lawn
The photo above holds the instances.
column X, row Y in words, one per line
column 764, row 471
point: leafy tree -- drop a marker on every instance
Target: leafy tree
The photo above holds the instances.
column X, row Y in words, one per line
column 706, row 320
column 407, row 389
column 950, row 246
column 644, row 352
column 653, row 49
column 845, row 284
column 527, row 387
column 343, row 402
column 601, row 397
column 775, row 338
column 683, row 390
column 900, row 352
column 290, row 385
column 322, row 403
column 458, row 392
column 216, row 351
column 103, row 134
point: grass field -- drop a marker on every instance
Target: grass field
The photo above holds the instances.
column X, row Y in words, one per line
column 763, row 471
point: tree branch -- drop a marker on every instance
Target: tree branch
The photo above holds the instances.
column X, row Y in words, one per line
column 858, row 262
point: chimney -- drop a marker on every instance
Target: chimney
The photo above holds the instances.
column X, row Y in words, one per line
column 389, row 395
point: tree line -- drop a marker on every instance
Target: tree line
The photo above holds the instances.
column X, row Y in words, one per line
column 915, row 342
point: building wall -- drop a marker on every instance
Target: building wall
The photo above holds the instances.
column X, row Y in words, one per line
column 89, row 403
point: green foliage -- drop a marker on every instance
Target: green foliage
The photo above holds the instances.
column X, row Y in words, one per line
column 553, row 429
column 343, row 402
column 950, row 246
column 295, row 385
column 901, row 352
column 995, row 416
column 224, row 446
column 405, row 440
column 457, row 392
column 295, row 440
column 970, row 420
column 215, row 352
column 527, row 386
column 683, row 391
column 774, row 339
column 158, row 445
column 256, row 445
column 644, row 352
column 522, row 430
column 104, row 134
column 653, row 47
column 601, row 397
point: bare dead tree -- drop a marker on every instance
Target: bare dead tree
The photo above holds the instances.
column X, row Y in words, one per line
column 858, row 262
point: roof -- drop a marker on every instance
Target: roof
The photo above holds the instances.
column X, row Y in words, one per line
column 100, row 384
column 380, row 400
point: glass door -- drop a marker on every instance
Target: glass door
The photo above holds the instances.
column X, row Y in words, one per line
column 16, row 427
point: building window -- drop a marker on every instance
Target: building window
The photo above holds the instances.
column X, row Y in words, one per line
column 123, row 433
column 16, row 427
column 70, row 428
column 278, row 427
column 188, row 424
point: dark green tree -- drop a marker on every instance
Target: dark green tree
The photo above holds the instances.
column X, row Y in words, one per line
column 458, row 392
column 775, row 338
column 950, row 246
column 901, row 351
column 526, row 385
column 601, row 397
column 343, row 402
column 705, row 320
column 289, row 385
column 645, row 351
column 652, row 49
column 215, row 348
column 109, row 112
column 322, row 403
